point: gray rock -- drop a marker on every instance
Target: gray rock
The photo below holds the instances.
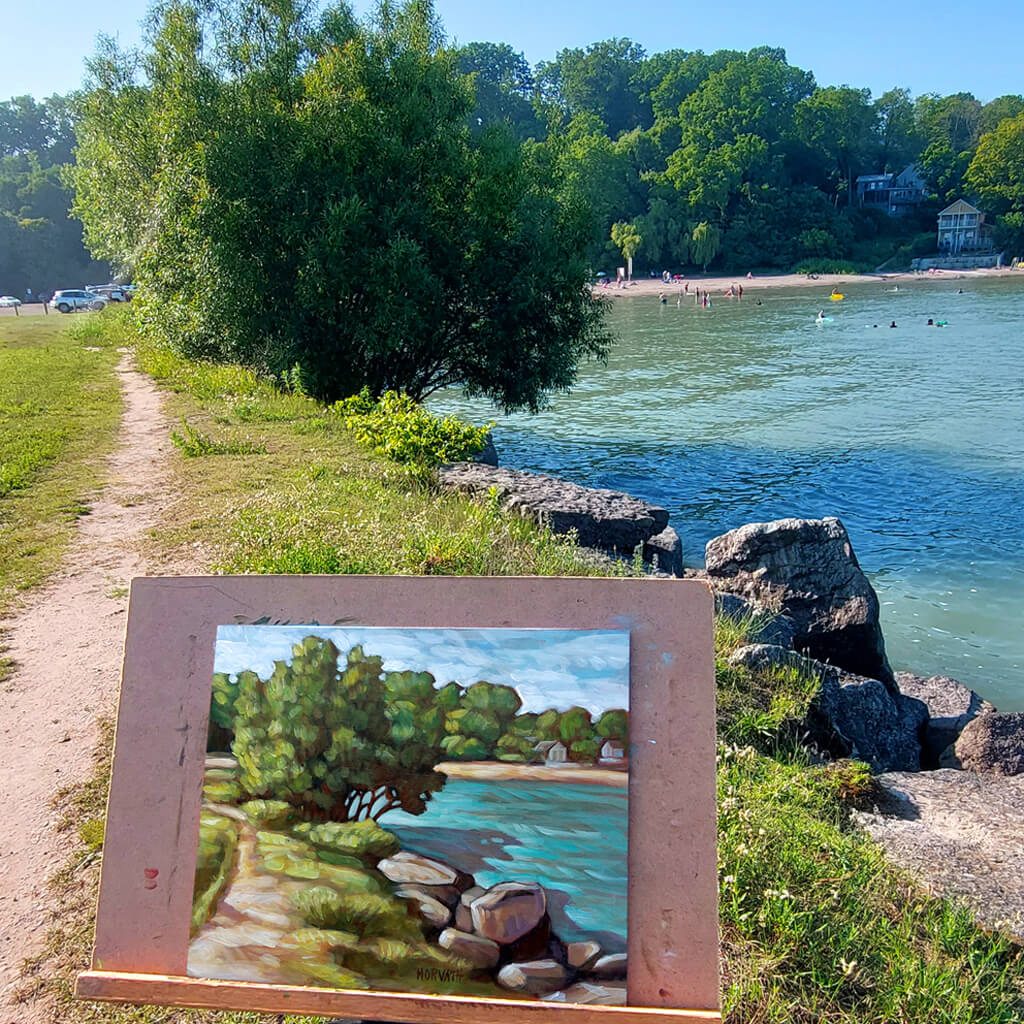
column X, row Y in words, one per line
column 508, row 911
column 666, row 549
column 962, row 833
column 759, row 657
column 951, row 705
column 536, row 977
column 862, row 716
column 992, row 743
column 806, row 569
column 412, row 868
column 609, row 968
column 489, row 455
column 602, row 519
column 580, row 955
column 474, row 948
column 429, row 910
column 588, row 992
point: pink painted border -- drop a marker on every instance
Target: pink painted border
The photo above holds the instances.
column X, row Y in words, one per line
column 153, row 814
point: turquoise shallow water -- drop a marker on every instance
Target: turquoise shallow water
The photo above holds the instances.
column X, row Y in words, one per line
column 572, row 839
column 913, row 436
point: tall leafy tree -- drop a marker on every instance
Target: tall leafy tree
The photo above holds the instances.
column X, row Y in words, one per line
column 503, row 87
column 337, row 741
column 607, row 79
column 299, row 191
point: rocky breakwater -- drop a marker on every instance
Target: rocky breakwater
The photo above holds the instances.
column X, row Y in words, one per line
column 609, row 521
column 505, row 931
column 950, row 767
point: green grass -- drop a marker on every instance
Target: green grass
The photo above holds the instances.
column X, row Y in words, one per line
column 815, row 925
column 59, row 411
column 310, row 498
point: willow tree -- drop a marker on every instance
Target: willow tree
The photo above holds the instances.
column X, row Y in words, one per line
column 299, row 190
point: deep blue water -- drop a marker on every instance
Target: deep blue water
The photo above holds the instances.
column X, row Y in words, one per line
column 913, row 437
column 572, row 839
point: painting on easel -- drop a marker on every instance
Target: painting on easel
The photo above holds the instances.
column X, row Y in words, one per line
column 416, row 810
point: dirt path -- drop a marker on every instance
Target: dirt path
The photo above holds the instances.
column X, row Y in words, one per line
column 67, row 646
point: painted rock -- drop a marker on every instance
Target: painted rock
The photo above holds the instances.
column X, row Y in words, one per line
column 427, row 909
column 473, row 948
column 611, row 966
column 580, row 955
column 411, row 868
column 508, row 911
column 536, row 977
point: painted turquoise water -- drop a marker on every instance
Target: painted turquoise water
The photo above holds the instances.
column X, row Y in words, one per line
column 572, row 839
column 913, row 436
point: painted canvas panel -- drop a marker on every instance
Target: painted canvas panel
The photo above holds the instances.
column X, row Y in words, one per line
column 417, row 810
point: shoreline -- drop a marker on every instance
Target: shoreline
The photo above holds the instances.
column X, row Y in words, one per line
column 716, row 284
column 502, row 771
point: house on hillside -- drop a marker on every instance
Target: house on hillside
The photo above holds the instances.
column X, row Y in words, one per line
column 962, row 228
column 895, row 194
column 550, row 752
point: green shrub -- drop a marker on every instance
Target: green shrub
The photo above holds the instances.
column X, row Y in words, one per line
column 268, row 813
column 400, row 429
column 364, row 914
column 361, row 838
column 91, row 833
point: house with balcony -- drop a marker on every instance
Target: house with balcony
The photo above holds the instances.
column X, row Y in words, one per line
column 894, row 194
column 962, row 228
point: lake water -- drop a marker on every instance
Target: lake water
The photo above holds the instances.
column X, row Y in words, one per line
column 913, row 437
column 572, row 839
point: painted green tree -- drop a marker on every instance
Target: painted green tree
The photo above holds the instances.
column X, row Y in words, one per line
column 339, row 741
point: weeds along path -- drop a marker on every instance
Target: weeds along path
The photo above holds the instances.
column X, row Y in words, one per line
column 67, row 648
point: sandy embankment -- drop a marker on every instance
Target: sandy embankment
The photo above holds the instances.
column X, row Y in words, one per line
column 717, row 285
column 493, row 771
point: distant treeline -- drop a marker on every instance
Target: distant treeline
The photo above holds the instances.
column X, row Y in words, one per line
column 40, row 246
column 730, row 159
column 740, row 160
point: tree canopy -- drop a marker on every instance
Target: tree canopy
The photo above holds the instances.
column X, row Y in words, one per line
column 299, row 192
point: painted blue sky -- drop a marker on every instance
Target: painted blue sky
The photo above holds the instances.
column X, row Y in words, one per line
column 940, row 47
column 548, row 667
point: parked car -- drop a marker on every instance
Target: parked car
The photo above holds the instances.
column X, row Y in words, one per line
column 70, row 299
column 111, row 292
column 7, row 301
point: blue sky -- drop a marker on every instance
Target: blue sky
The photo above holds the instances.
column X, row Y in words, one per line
column 936, row 47
column 548, row 667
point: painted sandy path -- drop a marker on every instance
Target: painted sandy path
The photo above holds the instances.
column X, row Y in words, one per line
column 67, row 645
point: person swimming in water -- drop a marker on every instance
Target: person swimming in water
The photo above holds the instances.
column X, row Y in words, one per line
column 893, row 324
column 821, row 316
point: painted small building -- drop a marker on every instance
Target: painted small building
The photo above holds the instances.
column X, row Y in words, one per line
column 962, row 228
column 895, row 194
column 551, row 752
column 612, row 751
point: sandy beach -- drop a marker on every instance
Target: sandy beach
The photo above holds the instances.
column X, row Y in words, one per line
column 717, row 285
column 492, row 771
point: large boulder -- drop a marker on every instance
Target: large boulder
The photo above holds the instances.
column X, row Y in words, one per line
column 508, row 911
column 429, row 910
column 848, row 715
column 603, row 519
column 992, row 743
column 859, row 717
column 951, row 705
column 806, row 569
column 963, row 833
